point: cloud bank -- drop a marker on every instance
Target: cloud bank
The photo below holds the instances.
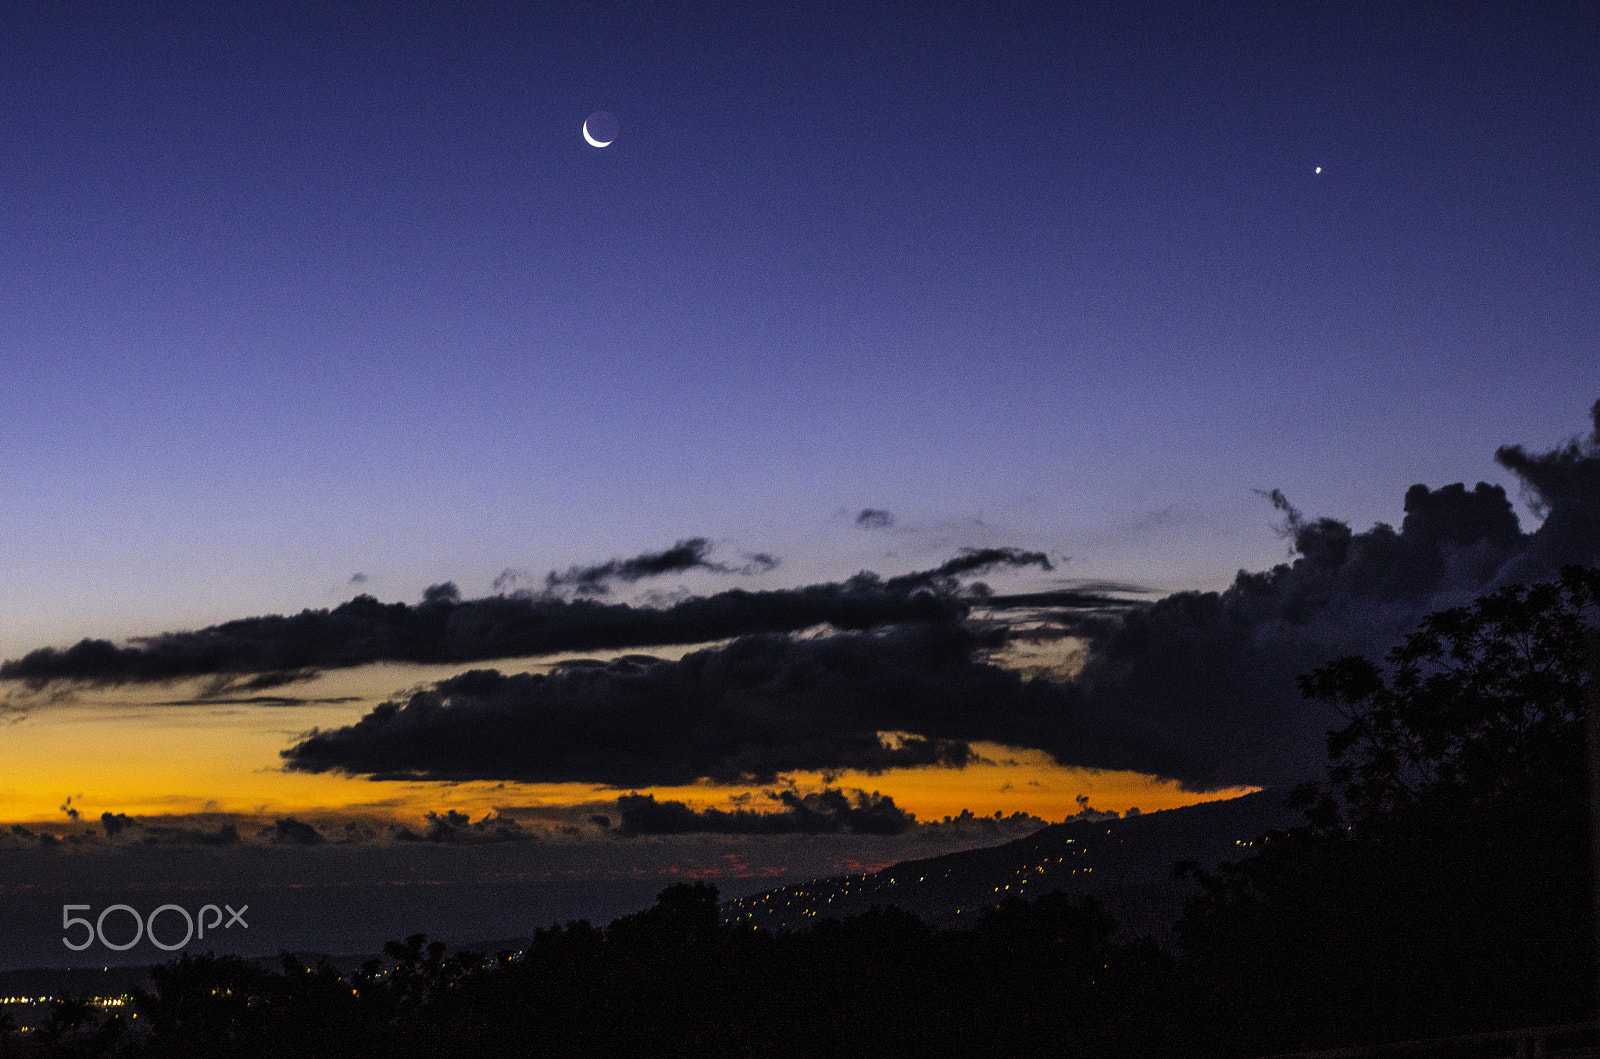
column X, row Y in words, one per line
column 1213, row 673
column 1198, row 686
column 446, row 629
column 760, row 707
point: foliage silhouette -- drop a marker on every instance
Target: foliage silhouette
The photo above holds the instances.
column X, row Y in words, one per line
column 1442, row 882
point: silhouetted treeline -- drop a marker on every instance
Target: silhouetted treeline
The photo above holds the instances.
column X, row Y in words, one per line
column 1439, row 886
column 670, row 981
column 1442, row 883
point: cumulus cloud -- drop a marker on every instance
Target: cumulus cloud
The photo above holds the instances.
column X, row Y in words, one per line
column 1212, row 674
column 1562, row 486
column 828, row 811
column 872, row 518
column 443, row 594
column 760, row 707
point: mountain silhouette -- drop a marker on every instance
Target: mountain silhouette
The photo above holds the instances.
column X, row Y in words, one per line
column 1127, row 863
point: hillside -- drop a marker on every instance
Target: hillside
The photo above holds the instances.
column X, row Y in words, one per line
column 1127, row 863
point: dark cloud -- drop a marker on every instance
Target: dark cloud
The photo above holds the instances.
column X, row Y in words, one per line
column 231, row 688
column 1198, row 686
column 1069, row 612
column 445, row 629
column 444, row 594
column 265, row 681
column 826, row 812
column 262, row 700
column 1059, row 598
column 688, row 554
column 1562, row 486
column 945, row 578
column 455, row 826
column 757, row 563
column 511, row 579
column 1128, row 587
column 358, row 579
column 979, row 560
column 757, row 708
column 874, row 518
column 1208, row 678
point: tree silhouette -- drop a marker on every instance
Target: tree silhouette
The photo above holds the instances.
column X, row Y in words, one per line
column 1441, row 883
column 1481, row 703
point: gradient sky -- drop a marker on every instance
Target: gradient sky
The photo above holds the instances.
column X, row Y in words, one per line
column 303, row 300
column 297, row 291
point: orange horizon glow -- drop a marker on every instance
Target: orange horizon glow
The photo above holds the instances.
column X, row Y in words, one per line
column 123, row 751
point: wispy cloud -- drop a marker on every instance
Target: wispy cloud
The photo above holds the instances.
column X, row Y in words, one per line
column 688, row 554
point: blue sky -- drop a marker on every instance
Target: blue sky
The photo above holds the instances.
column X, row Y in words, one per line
column 293, row 292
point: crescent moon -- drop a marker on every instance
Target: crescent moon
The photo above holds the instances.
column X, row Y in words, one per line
column 592, row 141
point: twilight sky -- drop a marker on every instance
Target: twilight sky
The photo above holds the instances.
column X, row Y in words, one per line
column 302, row 301
column 298, row 291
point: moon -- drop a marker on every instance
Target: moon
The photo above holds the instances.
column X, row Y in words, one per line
column 600, row 129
